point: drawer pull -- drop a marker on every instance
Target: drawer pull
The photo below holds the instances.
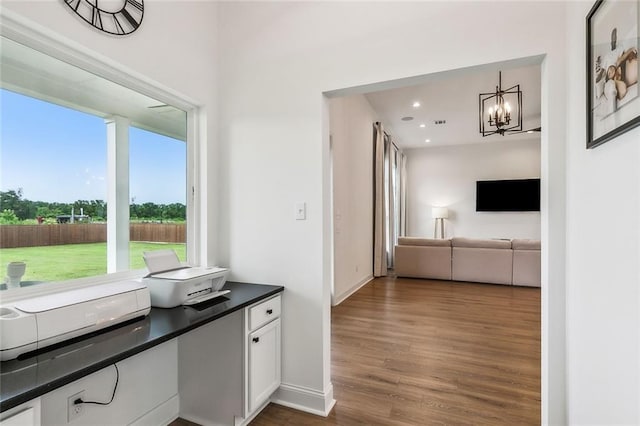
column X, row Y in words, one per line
column 256, row 339
column 269, row 311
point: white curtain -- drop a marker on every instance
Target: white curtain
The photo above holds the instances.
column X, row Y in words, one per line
column 389, row 188
column 390, row 204
column 403, row 195
column 396, row 200
column 379, row 210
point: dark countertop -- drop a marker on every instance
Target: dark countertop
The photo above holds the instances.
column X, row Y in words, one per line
column 23, row 380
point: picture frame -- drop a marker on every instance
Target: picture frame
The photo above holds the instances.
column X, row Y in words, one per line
column 613, row 96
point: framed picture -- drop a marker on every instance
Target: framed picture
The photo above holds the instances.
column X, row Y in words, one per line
column 613, row 98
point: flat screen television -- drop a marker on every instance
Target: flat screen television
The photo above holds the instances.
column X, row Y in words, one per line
column 514, row 195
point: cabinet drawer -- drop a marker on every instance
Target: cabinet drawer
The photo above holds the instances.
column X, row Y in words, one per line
column 264, row 312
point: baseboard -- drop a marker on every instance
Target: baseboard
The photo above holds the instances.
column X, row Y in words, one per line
column 305, row 399
column 163, row 414
column 338, row 299
column 239, row 421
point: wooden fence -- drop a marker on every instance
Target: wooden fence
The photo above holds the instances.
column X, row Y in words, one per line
column 12, row 236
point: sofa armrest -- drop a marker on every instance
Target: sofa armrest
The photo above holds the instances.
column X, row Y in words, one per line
column 526, row 263
column 521, row 244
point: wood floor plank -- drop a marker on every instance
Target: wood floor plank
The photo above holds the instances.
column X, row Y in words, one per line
column 422, row 352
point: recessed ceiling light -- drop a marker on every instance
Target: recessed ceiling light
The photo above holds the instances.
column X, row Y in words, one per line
column 416, row 104
column 423, row 125
column 529, row 131
column 406, row 118
column 427, row 140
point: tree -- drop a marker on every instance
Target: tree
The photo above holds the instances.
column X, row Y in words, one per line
column 149, row 211
column 8, row 217
column 96, row 209
column 12, row 200
column 48, row 211
column 175, row 211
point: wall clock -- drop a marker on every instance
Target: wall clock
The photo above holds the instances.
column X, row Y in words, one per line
column 117, row 17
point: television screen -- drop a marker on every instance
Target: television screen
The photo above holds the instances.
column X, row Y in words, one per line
column 516, row 195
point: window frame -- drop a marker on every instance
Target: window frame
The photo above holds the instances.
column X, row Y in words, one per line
column 14, row 28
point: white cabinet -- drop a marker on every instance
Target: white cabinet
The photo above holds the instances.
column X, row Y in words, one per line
column 262, row 354
column 23, row 418
column 264, row 363
column 27, row 414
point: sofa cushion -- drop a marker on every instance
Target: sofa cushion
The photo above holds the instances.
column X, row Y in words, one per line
column 415, row 241
column 478, row 243
column 423, row 262
column 481, row 264
column 520, row 244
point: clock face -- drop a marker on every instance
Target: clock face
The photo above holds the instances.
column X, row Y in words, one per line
column 118, row 17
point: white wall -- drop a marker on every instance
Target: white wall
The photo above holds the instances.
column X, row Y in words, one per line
column 351, row 121
column 446, row 177
column 603, row 280
column 276, row 60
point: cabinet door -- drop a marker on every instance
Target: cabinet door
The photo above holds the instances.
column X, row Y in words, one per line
column 23, row 418
column 264, row 363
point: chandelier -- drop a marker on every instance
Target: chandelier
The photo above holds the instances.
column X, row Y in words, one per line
column 501, row 112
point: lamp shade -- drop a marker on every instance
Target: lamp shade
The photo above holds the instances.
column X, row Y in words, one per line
column 440, row 212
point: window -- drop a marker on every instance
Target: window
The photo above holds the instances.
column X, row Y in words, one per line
column 92, row 173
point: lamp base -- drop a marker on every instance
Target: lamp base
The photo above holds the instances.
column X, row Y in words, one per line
column 435, row 228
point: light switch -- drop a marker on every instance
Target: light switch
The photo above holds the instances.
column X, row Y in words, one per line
column 301, row 211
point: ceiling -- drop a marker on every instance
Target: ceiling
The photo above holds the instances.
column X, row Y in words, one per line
column 32, row 73
column 453, row 98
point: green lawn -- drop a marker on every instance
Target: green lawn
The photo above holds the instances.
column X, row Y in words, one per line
column 55, row 263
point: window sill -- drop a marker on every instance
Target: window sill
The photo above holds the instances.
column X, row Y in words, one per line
column 13, row 294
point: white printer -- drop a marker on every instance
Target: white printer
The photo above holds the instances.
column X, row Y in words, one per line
column 38, row 322
column 172, row 284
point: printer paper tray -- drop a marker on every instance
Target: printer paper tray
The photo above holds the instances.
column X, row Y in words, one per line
column 204, row 298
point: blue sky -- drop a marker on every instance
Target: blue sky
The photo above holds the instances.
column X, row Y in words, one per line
column 58, row 154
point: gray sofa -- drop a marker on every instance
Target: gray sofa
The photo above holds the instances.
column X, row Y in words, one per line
column 507, row 262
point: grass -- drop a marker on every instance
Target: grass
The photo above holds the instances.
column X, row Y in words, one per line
column 65, row 262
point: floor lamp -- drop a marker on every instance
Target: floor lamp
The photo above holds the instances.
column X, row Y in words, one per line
column 439, row 214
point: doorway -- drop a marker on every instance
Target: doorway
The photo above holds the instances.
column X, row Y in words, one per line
column 345, row 267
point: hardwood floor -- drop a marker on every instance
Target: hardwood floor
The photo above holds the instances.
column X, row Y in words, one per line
column 421, row 352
